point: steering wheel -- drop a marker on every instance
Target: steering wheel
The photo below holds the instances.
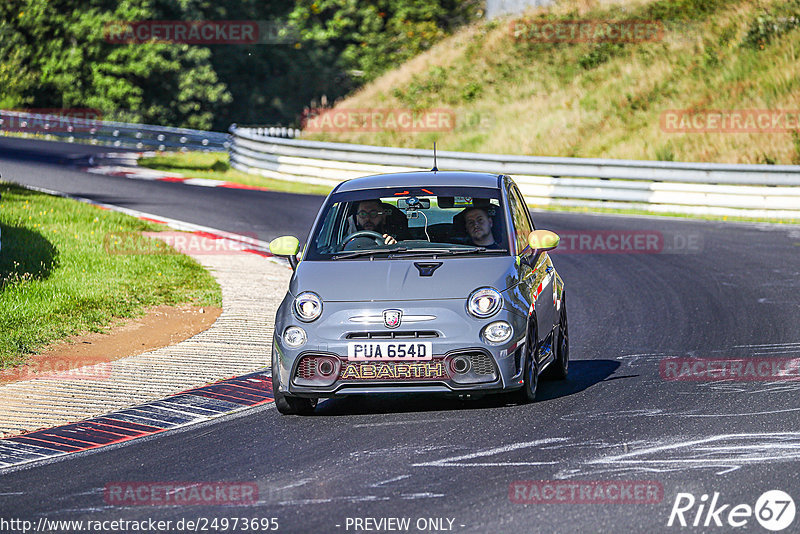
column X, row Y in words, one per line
column 379, row 239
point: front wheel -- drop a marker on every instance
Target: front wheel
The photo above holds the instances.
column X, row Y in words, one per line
column 560, row 366
column 286, row 404
column 530, row 372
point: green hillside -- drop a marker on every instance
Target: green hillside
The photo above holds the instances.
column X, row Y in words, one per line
column 515, row 95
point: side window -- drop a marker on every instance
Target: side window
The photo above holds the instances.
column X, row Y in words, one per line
column 531, row 222
column 525, row 209
column 326, row 238
column 521, row 218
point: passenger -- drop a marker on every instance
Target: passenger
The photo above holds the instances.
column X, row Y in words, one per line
column 479, row 227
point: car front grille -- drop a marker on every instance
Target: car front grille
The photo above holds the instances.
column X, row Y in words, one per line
column 481, row 364
column 307, row 368
column 315, row 369
column 435, row 369
column 481, row 367
column 416, row 334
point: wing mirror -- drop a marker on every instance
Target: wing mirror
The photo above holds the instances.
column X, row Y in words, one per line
column 543, row 240
column 539, row 241
column 286, row 246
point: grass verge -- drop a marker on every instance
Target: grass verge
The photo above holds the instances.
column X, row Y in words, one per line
column 57, row 279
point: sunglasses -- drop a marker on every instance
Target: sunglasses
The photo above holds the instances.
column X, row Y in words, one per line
column 370, row 214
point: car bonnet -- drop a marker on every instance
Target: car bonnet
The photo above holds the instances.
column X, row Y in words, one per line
column 401, row 279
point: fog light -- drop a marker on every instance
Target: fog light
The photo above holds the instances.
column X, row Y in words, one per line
column 325, row 367
column 498, row 332
column 294, row 337
column 460, row 364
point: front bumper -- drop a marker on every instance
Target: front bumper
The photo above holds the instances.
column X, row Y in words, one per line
column 462, row 360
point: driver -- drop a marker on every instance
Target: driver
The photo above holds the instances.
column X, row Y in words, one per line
column 371, row 215
column 479, row 227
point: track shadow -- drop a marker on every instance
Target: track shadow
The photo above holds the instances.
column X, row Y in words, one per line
column 25, row 255
column 52, row 152
column 582, row 375
column 42, row 156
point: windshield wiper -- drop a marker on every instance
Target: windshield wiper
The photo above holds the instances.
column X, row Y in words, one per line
column 416, row 252
column 443, row 251
column 358, row 253
column 468, row 250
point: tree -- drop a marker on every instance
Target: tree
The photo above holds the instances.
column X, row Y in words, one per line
column 56, row 54
column 371, row 37
column 67, row 61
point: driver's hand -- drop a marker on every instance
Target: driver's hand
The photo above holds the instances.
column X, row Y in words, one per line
column 389, row 240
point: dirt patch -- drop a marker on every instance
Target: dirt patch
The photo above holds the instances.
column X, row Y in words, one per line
column 160, row 327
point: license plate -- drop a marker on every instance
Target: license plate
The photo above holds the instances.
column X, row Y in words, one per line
column 390, row 351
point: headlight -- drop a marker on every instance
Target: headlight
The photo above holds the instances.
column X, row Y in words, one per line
column 484, row 302
column 294, row 337
column 308, row 306
column 498, row 332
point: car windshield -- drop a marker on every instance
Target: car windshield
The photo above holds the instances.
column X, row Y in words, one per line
column 409, row 222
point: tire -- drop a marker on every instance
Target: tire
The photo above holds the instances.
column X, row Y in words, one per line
column 560, row 367
column 530, row 373
column 286, row 404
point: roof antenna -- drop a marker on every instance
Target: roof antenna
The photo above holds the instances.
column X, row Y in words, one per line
column 434, row 169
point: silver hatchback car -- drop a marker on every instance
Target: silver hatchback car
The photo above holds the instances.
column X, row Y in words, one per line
column 421, row 282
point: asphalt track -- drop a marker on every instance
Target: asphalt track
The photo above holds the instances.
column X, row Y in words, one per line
column 616, row 418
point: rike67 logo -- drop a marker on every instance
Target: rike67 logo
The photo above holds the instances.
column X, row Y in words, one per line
column 774, row 510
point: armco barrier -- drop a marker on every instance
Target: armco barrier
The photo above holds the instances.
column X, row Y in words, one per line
column 63, row 127
column 771, row 191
